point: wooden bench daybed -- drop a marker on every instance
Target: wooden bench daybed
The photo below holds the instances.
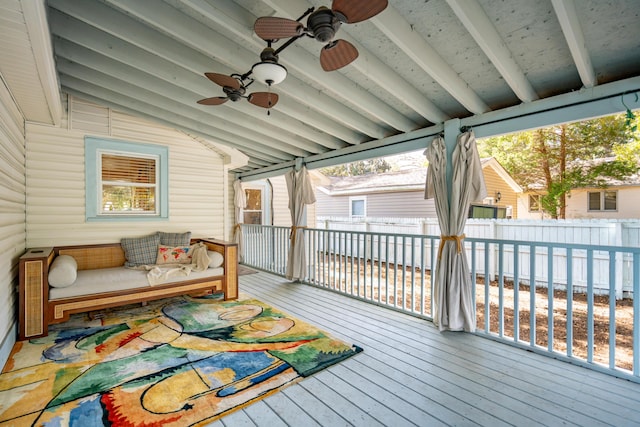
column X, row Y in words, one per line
column 38, row 308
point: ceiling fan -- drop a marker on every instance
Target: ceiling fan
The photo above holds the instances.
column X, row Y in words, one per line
column 322, row 25
column 235, row 89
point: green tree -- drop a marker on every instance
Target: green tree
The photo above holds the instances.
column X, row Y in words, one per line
column 563, row 157
column 361, row 167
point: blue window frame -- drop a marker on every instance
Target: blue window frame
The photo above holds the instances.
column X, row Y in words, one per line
column 126, row 181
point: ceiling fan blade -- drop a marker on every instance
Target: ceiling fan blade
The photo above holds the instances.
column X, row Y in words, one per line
column 263, row 99
column 223, row 80
column 273, row 28
column 359, row 10
column 217, row 100
column 337, row 54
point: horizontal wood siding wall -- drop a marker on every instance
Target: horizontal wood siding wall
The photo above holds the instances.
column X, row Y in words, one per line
column 628, row 206
column 407, row 204
column 327, row 205
column 230, row 207
column 280, row 202
column 495, row 183
column 12, row 214
column 56, row 176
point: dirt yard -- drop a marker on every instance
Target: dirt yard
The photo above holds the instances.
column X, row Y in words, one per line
column 601, row 341
column 386, row 283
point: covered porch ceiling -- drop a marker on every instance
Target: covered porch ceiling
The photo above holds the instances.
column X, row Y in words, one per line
column 421, row 64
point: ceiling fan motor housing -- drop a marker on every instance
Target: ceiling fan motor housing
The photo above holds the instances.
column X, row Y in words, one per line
column 268, row 54
column 234, row 94
column 323, row 23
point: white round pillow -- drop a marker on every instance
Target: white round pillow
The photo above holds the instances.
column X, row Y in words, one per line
column 215, row 259
column 63, row 271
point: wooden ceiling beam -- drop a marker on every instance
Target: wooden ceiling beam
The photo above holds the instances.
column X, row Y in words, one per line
column 572, row 30
column 397, row 29
column 478, row 24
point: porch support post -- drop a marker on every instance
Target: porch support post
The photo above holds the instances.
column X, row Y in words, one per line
column 451, row 131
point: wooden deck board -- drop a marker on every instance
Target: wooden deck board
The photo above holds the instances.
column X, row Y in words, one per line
column 411, row 374
column 397, row 411
column 262, row 412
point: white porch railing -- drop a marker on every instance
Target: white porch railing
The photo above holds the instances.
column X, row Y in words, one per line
column 571, row 321
column 585, row 232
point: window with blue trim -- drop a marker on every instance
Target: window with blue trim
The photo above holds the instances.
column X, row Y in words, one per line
column 126, row 180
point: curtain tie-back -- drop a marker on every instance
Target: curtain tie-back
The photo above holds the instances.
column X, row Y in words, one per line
column 294, row 229
column 457, row 239
column 237, row 227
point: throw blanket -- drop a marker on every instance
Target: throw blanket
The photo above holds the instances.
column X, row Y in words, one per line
column 159, row 274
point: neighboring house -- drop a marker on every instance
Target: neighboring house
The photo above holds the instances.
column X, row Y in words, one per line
column 401, row 194
column 617, row 199
column 268, row 201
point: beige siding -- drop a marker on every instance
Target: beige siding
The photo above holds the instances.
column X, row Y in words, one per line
column 280, row 202
column 326, row 205
column 55, row 181
column 495, row 184
column 231, row 210
column 578, row 207
column 628, row 206
column 12, row 214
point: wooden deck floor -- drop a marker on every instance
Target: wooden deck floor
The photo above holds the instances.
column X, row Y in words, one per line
column 411, row 374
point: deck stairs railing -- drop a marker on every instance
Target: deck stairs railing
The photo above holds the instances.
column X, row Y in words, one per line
column 581, row 313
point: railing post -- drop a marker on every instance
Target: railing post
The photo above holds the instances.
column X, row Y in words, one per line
column 367, row 243
column 619, row 262
column 494, row 265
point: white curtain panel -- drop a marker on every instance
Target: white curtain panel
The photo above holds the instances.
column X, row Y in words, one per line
column 300, row 195
column 239, row 202
column 453, row 299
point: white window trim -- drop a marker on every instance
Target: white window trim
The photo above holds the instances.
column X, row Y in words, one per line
column 263, row 202
column 357, row 198
column 539, row 204
column 101, row 183
column 602, row 204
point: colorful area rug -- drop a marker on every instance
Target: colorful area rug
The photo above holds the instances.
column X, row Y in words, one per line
column 175, row 362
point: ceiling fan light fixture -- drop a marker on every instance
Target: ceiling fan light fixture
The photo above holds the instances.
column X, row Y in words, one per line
column 269, row 73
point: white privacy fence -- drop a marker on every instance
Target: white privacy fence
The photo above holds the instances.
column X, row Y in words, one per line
column 386, row 236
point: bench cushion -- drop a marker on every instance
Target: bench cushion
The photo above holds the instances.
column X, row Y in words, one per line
column 116, row 279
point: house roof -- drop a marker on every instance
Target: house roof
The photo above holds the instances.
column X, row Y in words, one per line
column 631, row 180
column 403, row 180
column 496, row 66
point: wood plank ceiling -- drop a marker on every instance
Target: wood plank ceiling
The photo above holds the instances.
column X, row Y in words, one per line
column 421, row 63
